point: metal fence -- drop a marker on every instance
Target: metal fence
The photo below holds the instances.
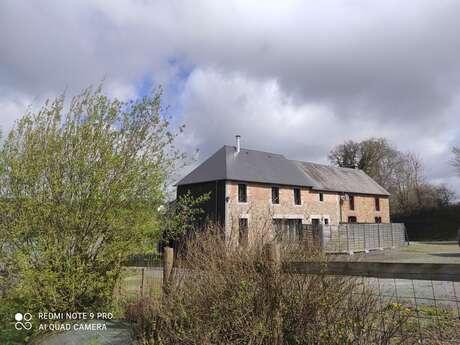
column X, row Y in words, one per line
column 349, row 238
column 425, row 298
column 427, row 295
column 141, row 276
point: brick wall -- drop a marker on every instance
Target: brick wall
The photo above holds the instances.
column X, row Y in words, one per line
column 365, row 211
column 260, row 211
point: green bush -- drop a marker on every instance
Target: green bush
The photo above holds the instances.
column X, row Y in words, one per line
column 79, row 190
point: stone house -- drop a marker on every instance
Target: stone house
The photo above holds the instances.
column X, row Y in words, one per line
column 251, row 191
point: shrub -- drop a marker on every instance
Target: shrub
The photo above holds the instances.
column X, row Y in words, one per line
column 79, row 189
column 223, row 294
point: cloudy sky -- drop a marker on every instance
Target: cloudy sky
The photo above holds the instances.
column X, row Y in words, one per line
column 292, row 77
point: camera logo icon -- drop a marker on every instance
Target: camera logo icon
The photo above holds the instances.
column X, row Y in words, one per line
column 23, row 321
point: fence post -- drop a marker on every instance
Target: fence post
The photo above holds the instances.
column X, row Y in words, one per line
column 321, row 237
column 364, row 238
column 168, row 261
column 406, row 236
column 348, row 239
column 392, row 236
column 142, row 281
column 273, row 259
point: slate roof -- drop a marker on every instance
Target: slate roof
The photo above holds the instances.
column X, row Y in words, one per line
column 248, row 166
column 337, row 179
column 266, row 167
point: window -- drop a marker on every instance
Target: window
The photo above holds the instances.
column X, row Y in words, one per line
column 352, row 219
column 377, row 204
column 243, row 232
column 297, row 198
column 242, row 193
column 326, row 221
column 321, row 197
column 275, row 195
column 378, row 220
column 352, row 202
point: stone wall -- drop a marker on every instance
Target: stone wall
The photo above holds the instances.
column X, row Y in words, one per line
column 260, row 211
column 365, row 211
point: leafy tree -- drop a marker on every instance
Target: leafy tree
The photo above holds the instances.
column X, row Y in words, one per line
column 181, row 216
column 80, row 187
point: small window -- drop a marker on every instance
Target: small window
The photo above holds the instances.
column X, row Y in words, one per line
column 378, row 220
column 297, row 198
column 352, row 219
column 377, row 204
column 242, row 193
column 352, row 202
column 326, row 221
column 243, row 232
column 321, row 197
column 275, row 195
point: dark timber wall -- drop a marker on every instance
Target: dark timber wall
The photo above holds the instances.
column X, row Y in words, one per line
column 214, row 208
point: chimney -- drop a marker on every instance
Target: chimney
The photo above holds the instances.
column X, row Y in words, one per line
column 238, row 139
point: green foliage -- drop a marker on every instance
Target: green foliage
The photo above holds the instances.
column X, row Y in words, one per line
column 80, row 186
column 8, row 334
column 181, row 216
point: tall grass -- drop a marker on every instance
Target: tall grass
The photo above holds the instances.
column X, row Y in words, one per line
column 225, row 294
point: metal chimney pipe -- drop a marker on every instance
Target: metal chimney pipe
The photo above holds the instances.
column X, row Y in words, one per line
column 238, row 140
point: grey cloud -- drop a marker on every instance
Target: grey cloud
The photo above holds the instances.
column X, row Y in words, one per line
column 294, row 77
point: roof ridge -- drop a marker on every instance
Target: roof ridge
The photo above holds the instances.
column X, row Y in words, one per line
column 259, row 151
column 328, row 165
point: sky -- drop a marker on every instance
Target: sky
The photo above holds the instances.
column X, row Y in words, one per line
column 291, row 77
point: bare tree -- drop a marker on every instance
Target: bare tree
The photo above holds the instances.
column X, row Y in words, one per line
column 400, row 173
column 375, row 156
column 456, row 163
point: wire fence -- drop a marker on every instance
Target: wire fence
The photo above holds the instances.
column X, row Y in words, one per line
column 423, row 297
column 349, row 238
column 141, row 276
